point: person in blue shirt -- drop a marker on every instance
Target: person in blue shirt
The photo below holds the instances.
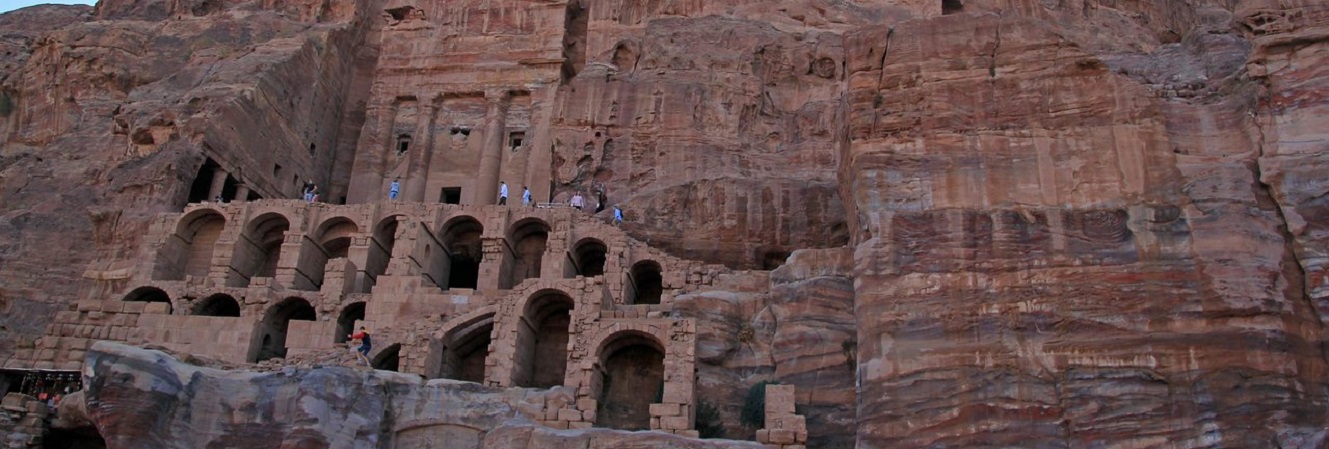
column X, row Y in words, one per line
column 618, row 216
column 394, row 189
column 525, row 196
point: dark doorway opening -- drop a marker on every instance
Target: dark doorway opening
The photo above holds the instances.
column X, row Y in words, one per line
column 464, row 252
column 951, row 6
column 647, row 283
column 590, row 256
column 632, row 367
column 450, row 195
column 198, row 191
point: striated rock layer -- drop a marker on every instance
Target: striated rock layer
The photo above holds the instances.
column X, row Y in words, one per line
column 1062, row 248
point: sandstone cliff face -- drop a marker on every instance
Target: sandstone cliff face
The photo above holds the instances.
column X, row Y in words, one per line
column 1073, row 224
column 1055, row 245
column 795, row 327
column 108, row 119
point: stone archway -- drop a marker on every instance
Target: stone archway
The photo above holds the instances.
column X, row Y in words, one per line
column 381, row 243
column 542, row 340
column 331, row 240
column 528, row 238
column 465, row 345
column 458, row 266
column 188, row 252
column 589, row 254
column 150, row 294
column 630, row 372
column 220, row 305
column 258, row 250
column 276, row 322
column 647, row 283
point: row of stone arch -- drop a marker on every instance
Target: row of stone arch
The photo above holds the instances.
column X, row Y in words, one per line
column 256, row 252
column 631, row 365
column 275, row 321
column 452, row 259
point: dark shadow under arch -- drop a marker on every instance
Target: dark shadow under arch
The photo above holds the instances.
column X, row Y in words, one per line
column 150, row 294
column 276, row 323
column 389, row 359
column 590, row 255
column 647, row 283
column 220, row 305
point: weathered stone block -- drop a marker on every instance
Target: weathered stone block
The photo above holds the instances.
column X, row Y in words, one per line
column 666, row 409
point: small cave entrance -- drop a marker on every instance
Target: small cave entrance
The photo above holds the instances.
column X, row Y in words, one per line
column 346, row 321
column 220, row 304
column 949, row 7
column 542, row 341
column 631, row 378
column 400, row 14
column 647, row 283
column 576, row 23
column 277, row 323
column 149, row 294
column 772, row 259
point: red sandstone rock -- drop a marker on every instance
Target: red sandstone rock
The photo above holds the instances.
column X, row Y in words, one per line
column 1072, row 223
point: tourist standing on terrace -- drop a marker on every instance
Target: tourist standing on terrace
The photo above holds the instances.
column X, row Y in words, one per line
column 502, row 193
column 394, row 189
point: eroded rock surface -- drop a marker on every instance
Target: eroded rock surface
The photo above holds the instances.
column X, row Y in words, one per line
column 145, row 399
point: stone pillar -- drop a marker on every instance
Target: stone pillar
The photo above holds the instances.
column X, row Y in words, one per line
column 367, row 173
column 219, row 176
column 241, row 193
column 784, row 429
column 417, row 169
column 491, row 159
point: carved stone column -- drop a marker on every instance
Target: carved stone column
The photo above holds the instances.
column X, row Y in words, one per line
column 417, row 169
column 491, row 160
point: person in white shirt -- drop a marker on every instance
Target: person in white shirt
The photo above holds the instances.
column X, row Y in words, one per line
column 577, row 201
column 502, row 193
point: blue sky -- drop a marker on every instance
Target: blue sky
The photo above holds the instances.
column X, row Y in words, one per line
column 10, row 5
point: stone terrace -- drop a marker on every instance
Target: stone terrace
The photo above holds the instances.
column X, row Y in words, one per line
column 505, row 296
